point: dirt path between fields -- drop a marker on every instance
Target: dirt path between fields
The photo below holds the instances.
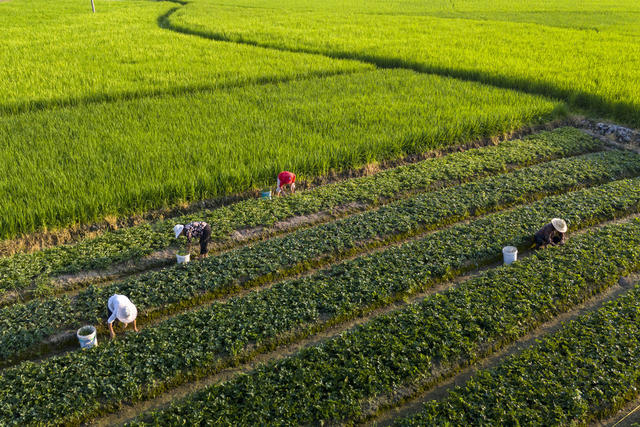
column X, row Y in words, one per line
column 65, row 340
column 628, row 415
column 71, row 284
column 415, row 404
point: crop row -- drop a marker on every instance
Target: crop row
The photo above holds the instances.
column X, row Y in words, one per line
column 336, row 380
column 33, row 271
column 583, row 373
column 74, row 387
column 179, row 287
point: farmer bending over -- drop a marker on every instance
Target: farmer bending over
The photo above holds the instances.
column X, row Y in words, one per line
column 194, row 230
column 551, row 234
column 286, row 178
column 121, row 308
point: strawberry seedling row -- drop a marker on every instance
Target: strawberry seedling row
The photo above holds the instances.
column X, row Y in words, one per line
column 199, row 343
column 176, row 288
column 580, row 374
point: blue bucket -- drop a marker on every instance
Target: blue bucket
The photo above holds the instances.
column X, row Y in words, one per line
column 265, row 195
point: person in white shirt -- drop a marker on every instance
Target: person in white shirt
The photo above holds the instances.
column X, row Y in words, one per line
column 121, row 308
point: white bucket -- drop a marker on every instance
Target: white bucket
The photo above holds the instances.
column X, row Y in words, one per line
column 87, row 341
column 510, row 254
column 183, row 258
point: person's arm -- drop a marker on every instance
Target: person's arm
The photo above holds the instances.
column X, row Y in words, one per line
column 563, row 238
column 113, row 335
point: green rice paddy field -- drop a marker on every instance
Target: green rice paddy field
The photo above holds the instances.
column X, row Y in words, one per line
column 139, row 106
column 437, row 132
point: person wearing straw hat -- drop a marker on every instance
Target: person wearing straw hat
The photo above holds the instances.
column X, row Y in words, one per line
column 121, row 308
column 551, row 234
column 286, row 178
column 197, row 229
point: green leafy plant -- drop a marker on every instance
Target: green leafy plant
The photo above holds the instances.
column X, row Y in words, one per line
column 157, row 293
column 411, row 348
column 86, row 330
column 448, row 329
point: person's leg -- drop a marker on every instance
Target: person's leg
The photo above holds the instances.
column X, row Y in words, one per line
column 204, row 241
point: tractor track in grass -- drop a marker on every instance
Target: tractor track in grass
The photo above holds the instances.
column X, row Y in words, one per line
column 128, row 412
column 572, row 98
column 415, row 404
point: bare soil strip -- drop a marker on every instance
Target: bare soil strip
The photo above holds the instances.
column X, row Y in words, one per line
column 627, row 416
column 415, row 404
column 65, row 340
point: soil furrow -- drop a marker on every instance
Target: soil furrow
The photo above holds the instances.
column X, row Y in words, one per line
column 415, row 404
column 129, row 412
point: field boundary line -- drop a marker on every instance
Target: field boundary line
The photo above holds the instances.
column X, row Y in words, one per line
column 580, row 99
column 12, row 110
column 73, row 283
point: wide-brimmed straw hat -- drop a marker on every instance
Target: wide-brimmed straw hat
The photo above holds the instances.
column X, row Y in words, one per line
column 559, row 225
column 127, row 313
column 178, row 229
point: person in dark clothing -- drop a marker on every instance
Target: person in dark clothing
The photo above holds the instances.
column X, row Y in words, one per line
column 551, row 234
column 194, row 230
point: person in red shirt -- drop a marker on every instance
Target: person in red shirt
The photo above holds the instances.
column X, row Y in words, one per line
column 286, row 178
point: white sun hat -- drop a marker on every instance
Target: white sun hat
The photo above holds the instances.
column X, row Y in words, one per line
column 559, row 225
column 178, row 229
column 127, row 313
